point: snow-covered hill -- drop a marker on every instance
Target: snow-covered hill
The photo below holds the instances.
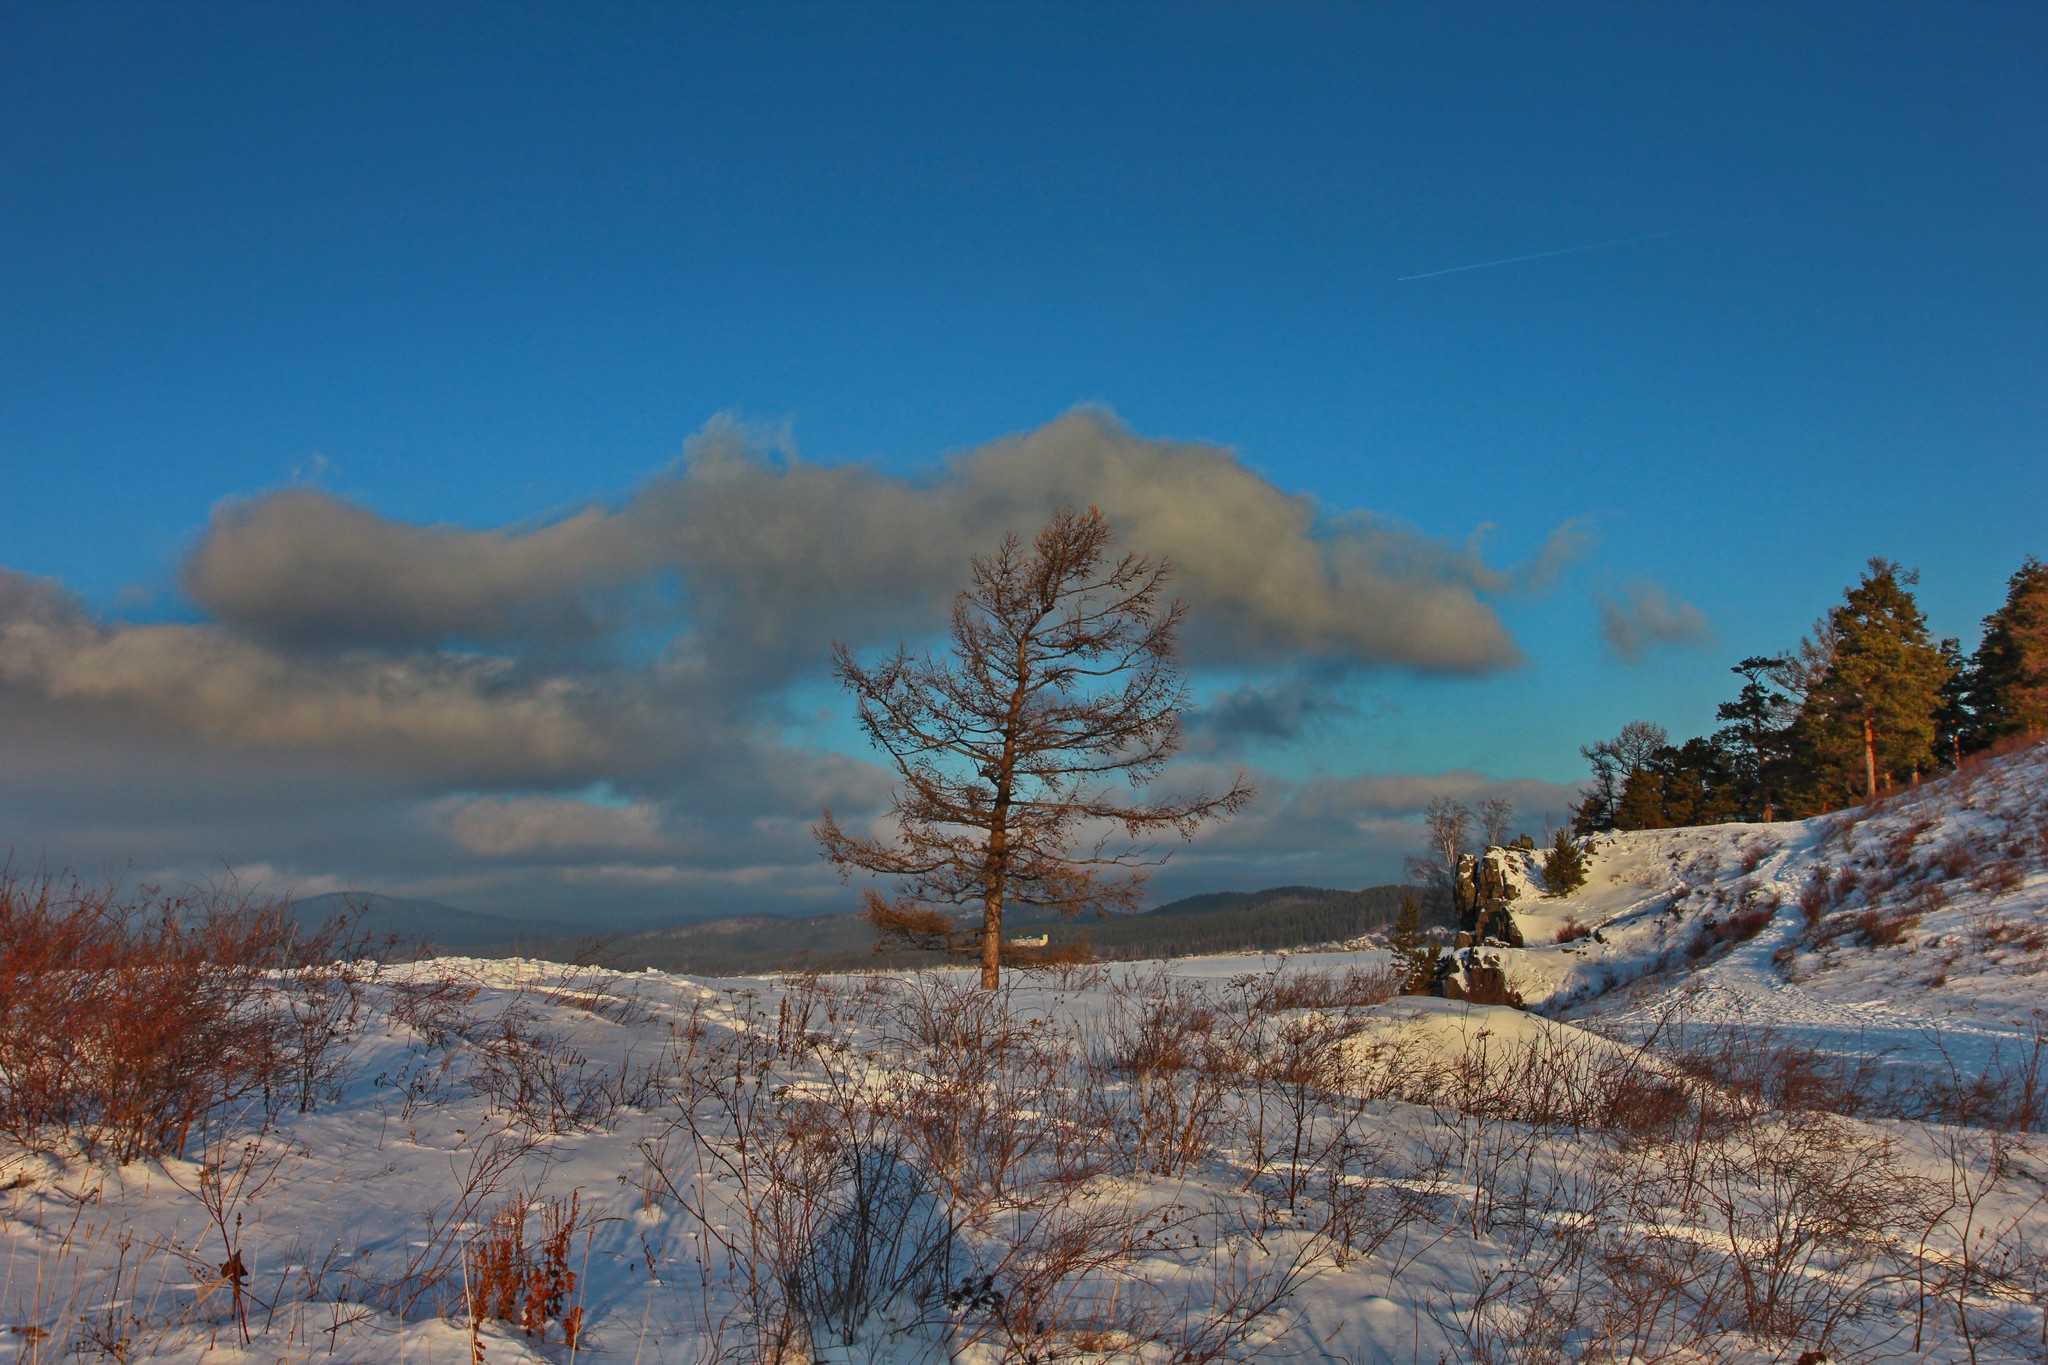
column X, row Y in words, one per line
column 1916, row 928
column 1777, row 1101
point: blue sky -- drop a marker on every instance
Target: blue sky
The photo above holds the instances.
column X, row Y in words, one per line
column 492, row 266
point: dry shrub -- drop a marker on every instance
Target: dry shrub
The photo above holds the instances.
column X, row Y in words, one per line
column 1354, row 988
column 436, row 1009
column 1885, row 928
column 1166, row 1062
column 543, row 1082
column 1571, row 931
column 1817, row 895
column 1754, row 853
column 1973, row 765
column 959, row 1114
column 1957, row 858
column 127, row 1026
column 1807, row 1210
column 2009, row 1095
column 1765, row 1072
column 527, row 1286
column 1740, row 925
column 1564, row 1078
column 1897, row 850
column 1990, row 933
column 1928, row 899
column 1999, row 876
column 976, row 1090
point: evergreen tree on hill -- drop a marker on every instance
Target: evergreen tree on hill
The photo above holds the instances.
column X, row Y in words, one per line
column 1414, row 955
column 1754, row 737
column 1614, row 762
column 1955, row 719
column 1867, row 720
column 2008, row 687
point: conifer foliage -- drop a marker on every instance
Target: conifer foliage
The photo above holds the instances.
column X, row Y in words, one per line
column 1868, row 720
column 1867, row 702
column 1564, row 871
column 1061, row 684
column 2006, row 692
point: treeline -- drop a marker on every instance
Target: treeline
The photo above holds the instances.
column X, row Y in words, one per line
column 1864, row 704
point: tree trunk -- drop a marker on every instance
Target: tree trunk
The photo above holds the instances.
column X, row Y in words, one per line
column 1869, row 758
column 991, row 944
column 992, row 899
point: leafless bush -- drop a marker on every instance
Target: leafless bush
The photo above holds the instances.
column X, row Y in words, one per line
column 1561, row 1079
column 1817, row 895
column 1696, row 1246
column 436, row 1009
column 1000, row 1135
column 1999, row 876
column 1165, row 1066
column 320, row 994
column 1754, row 853
column 1974, row 1257
column 1956, row 859
column 1885, row 928
column 1897, row 849
column 984, row 1098
column 491, row 1159
column 2008, row 1094
column 126, row 1027
column 1991, row 932
column 1807, row 1210
column 543, row 1082
column 1745, row 922
column 1353, row 988
column 1571, row 931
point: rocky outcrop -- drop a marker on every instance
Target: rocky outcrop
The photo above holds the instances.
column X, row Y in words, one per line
column 1482, row 892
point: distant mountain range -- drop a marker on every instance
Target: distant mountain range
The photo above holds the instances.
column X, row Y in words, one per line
column 1280, row 918
column 1277, row 919
column 441, row 926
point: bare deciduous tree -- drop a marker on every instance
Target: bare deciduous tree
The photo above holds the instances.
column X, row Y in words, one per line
column 1061, row 680
column 1449, row 822
column 1496, row 813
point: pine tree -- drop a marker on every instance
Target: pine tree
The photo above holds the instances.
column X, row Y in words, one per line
column 1754, row 738
column 1955, row 719
column 1613, row 762
column 2008, row 692
column 1415, row 958
column 1868, row 718
column 1564, row 871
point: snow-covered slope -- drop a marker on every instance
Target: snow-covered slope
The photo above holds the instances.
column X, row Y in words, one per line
column 1917, row 926
column 1222, row 1158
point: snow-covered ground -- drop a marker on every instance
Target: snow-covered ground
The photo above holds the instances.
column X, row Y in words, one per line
column 1220, row 1158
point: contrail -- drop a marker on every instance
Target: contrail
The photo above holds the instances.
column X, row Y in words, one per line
column 1539, row 255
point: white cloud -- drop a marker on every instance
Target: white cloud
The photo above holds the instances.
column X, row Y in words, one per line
column 501, row 825
column 351, row 671
column 1649, row 615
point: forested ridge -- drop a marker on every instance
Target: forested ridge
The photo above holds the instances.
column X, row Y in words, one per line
column 1866, row 703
